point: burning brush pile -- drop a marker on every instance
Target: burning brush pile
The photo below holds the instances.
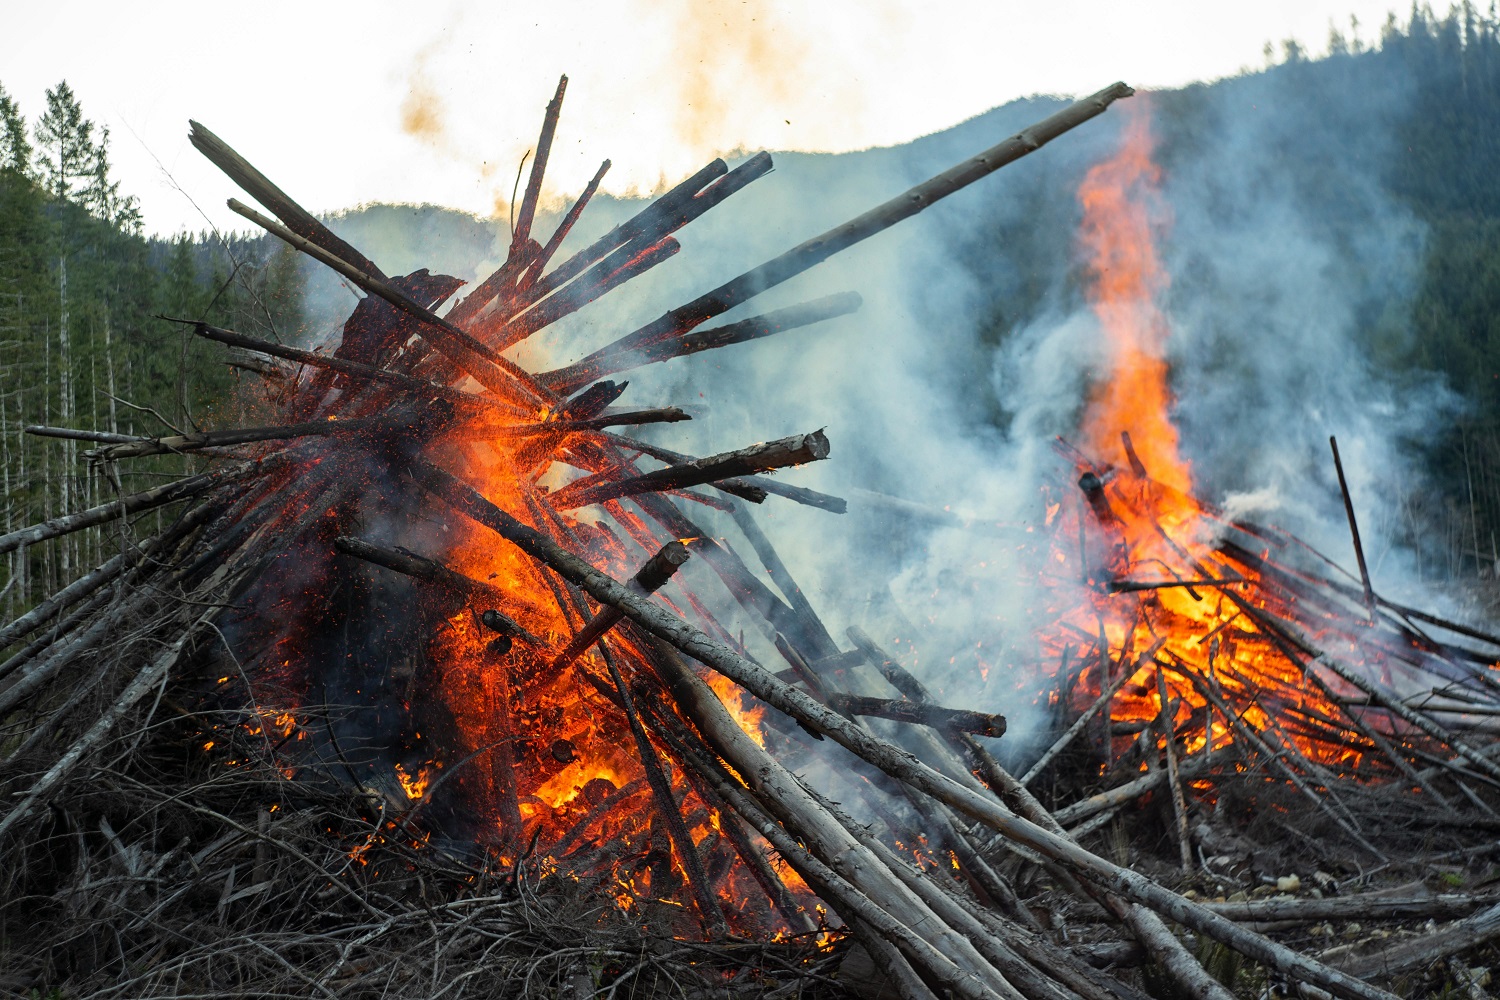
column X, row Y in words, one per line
column 406, row 695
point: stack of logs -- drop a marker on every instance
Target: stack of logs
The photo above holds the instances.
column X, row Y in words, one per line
column 361, row 437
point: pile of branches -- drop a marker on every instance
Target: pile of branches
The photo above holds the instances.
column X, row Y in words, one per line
column 162, row 840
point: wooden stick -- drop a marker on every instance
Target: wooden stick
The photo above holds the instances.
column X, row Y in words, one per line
column 1359, row 550
column 847, row 899
column 659, row 415
column 978, row 723
column 754, row 328
column 1063, row 741
column 537, row 266
column 258, row 186
column 496, row 373
column 794, row 450
column 1462, row 935
column 353, row 369
column 834, row 845
column 895, row 762
column 241, row 435
column 1179, row 802
column 538, row 169
column 666, row 804
column 648, row 580
column 802, row 495
column 628, row 262
column 71, row 434
column 149, row 677
column 157, row 496
column 647, row 220
column 1384, row 905
column 1131, row 791
column 882, row 217
column 420, row 568
column 766, row 552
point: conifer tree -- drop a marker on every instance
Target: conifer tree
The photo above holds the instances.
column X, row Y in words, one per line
column 15, row 149
column 65, row 146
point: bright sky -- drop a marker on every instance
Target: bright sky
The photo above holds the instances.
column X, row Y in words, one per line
column 343, row 103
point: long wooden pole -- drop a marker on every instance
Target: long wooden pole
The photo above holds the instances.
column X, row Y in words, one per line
column 818, row 249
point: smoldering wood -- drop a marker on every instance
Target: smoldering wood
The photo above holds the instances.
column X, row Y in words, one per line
column 801, row 494
column 422, row 568
column 564, row 227
column 1136, row 586
column 646, row 242
column 964, row 720
column 351, row 369
column 655, row 415
column 795, row 450
column 1079, row 724
column 538, row 169
column 651, row 577
column 614, row 270
column 494, row 372
column 829, row 843
column 1148, row 928
column 646, row 221
column 666, row 803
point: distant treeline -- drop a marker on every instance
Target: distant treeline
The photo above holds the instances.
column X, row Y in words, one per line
column 81, row 344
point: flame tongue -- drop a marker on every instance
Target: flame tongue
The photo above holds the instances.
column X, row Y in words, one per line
column 1122, row 211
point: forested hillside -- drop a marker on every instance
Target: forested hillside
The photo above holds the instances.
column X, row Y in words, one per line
column 1413, row 116
column 80, row 342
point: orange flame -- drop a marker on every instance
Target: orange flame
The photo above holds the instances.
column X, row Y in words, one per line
column 1122, row 214
column 1157, row 610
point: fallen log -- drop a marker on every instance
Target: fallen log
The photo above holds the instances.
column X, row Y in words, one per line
column 1461, row 935
column 1383, row 905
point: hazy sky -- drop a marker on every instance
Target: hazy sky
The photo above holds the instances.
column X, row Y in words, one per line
column 342, row 103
